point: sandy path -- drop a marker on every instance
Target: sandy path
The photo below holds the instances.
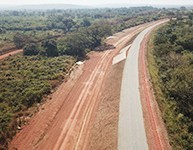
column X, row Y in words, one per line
column 10, row 53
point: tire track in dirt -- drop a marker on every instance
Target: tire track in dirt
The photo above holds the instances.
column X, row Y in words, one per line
column 74, row 120
column 81, row 100
column 95, row 104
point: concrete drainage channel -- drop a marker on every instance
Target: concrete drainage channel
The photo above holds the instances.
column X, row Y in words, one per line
column 121, row 56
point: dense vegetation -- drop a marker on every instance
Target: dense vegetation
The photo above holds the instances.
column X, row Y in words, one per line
column 40, row 25
column 171, row 68
column 74, row 44
column 23, row 82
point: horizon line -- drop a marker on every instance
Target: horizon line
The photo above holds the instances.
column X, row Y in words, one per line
column 96, row 4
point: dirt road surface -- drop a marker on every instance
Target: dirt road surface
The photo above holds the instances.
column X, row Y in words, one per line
column 71, row 120
column 10, row 53
column 68, row 119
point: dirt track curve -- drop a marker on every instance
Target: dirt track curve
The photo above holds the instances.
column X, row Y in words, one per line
column 65, row 121
column 10, row 53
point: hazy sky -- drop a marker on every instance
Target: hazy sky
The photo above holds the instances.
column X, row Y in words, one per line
column 93, row 2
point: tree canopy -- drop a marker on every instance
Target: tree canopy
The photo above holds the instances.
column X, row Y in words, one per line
column 30, row 49
column 173, row 52
column 50, row 47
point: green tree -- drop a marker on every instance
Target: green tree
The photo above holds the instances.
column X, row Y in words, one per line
column 86, row 22
column 20, row 40
column 181, row 88
column 74, row 44
column 31, row 49
column 50, row 47
column 67, row 24
column 5, row 120
column 98, row 31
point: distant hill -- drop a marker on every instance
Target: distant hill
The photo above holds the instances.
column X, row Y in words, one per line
column 64, row 6
column 54, row 6
column 72, row 6
column 44, row 7
column 116, row 5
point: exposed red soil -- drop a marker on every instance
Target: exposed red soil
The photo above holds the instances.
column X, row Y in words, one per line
column 105, row 129
column 66, row 120
column 10, row 53
column 155, row 130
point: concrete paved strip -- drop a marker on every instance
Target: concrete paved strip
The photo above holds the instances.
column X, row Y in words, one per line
column 111, row 37
column 131, row 130
column 119, row 58
column 125, row 49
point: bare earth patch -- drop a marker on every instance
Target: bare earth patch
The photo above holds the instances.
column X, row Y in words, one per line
column 105, row 129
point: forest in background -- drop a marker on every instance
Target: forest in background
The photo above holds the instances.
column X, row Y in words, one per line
column 41, row 25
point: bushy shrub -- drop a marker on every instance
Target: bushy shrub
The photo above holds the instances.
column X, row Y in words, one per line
column 30, row 49
column 50, row 47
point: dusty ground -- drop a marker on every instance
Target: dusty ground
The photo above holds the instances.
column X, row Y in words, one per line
column 155, row 130
column 67, row 120
column 58, row 125
column 105, row 129
column 10, row 53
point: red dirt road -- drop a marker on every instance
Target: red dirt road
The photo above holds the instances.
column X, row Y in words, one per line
column 78, row 107
column 155, row 130
column 65, row 121
column 10, row 53
column 69, row 127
